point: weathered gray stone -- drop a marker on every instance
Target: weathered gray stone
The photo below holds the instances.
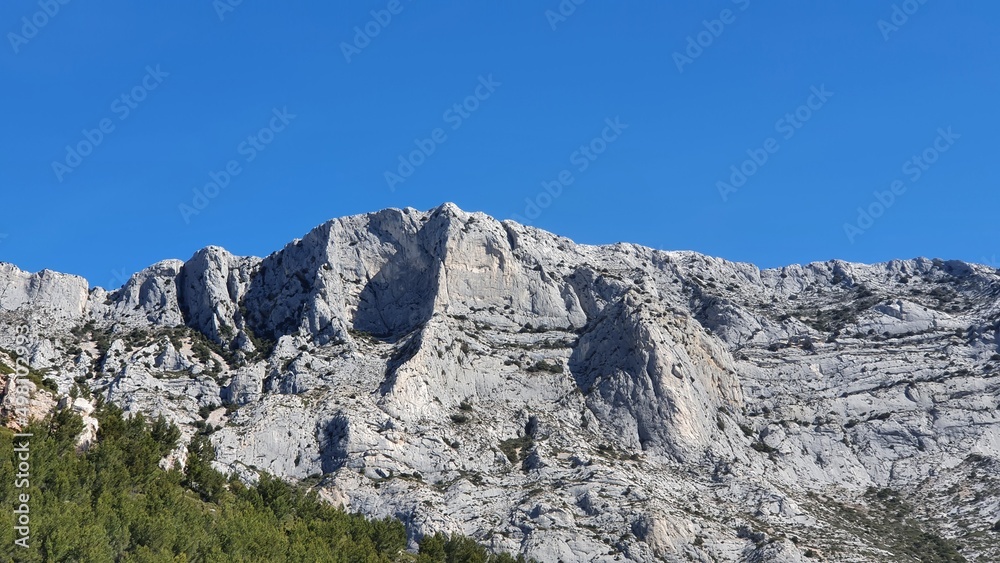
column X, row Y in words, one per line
column 572, row 402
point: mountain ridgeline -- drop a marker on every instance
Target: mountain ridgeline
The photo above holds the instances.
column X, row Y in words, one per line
column 560, row 401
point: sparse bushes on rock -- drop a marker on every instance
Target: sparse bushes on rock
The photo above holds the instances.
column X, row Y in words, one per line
column 114, row 503
column 440, row 548
column 516, row 449
column 542, row 365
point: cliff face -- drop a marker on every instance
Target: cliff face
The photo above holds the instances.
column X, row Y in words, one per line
column 572, row 402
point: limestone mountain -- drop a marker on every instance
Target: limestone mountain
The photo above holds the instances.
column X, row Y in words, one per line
column 569, row 402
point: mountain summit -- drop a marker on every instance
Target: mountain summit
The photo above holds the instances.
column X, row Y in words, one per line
column 570, row 402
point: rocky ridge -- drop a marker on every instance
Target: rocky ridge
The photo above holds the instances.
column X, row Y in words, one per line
column 571, row 402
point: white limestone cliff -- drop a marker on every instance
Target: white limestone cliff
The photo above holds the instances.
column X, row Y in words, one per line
column 571, row 402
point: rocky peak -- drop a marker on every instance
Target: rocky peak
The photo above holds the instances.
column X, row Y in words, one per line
column 574, row 402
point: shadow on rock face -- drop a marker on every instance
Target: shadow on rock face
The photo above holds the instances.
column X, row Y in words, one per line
column 403, row 354
column 332, row 436
column 400, row 297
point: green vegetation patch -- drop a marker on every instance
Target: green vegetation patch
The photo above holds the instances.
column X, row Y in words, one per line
column 516, row 449
column 114, row 503
column 888, row 523
column 542, row 365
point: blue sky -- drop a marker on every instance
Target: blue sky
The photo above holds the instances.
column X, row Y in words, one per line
column 638, row 117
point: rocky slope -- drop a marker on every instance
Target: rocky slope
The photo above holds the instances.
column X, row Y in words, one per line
column 571, row 402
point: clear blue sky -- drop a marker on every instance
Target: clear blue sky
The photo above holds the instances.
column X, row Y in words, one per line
column 198, row 80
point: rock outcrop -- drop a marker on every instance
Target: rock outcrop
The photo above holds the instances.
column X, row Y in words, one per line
column 571, row 402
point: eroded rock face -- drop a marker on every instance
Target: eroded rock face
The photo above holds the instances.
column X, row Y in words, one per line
column 571, row 402
column 211, row 285
column 46, row 293
column 655, row 379
column 148, row 298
